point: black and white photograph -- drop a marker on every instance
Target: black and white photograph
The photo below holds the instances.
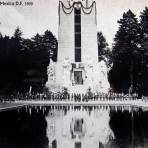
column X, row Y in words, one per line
column 73, row 73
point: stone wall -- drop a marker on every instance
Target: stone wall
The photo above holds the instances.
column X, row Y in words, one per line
column 89, row 36
column 66, row 36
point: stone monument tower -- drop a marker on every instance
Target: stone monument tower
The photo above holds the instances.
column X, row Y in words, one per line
column 77, row 66
column 77, row 43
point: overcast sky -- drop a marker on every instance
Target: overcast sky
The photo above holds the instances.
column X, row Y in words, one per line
column 43, row 15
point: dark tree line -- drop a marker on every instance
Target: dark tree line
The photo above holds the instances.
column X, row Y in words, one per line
column 130, row 54
column 23, row 62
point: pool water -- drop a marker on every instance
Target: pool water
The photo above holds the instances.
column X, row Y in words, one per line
column 74, row 127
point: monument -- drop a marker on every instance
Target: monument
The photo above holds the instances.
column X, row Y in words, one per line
column 77, row 66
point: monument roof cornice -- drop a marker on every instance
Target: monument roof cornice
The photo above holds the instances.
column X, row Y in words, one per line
column 69, row 9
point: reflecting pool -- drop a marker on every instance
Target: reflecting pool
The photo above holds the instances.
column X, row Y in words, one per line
column 74, row 127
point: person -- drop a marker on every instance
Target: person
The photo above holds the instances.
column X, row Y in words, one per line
column 89, row 94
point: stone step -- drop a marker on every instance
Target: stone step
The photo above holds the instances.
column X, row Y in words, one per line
column 78, row 89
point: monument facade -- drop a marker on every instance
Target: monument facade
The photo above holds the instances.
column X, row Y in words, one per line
column 77, row 61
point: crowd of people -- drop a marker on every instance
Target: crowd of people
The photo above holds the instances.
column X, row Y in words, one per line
column 74, row 97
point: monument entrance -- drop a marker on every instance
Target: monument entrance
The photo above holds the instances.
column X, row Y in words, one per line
column 78, row 78
column 78, row 145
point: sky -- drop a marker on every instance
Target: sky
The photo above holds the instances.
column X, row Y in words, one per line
column 43, row 15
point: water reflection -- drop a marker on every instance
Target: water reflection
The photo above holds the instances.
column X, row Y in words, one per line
column 79, row 125
column 74, row 127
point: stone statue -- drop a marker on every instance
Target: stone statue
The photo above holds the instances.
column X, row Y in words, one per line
column 51, row 72
column 66, row 71
column 89, row 71
column 103, row 78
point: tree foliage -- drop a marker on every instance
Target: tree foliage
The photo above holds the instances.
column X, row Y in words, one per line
column 104, row 52
column 143, row 51
column 125, row 49
column 23, row 62
column 130, row 54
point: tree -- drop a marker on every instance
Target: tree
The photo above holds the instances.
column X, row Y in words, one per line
column 102, row 44
column 144, row 29
column 23, row 62
column 17, row 40
column 125, row 49
column 50, row 44
column 143, row 52
column 104, row 52
column 37, row 42
column 144, row 24
column 1, row 36
column 39, row 50
column 17, row 33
